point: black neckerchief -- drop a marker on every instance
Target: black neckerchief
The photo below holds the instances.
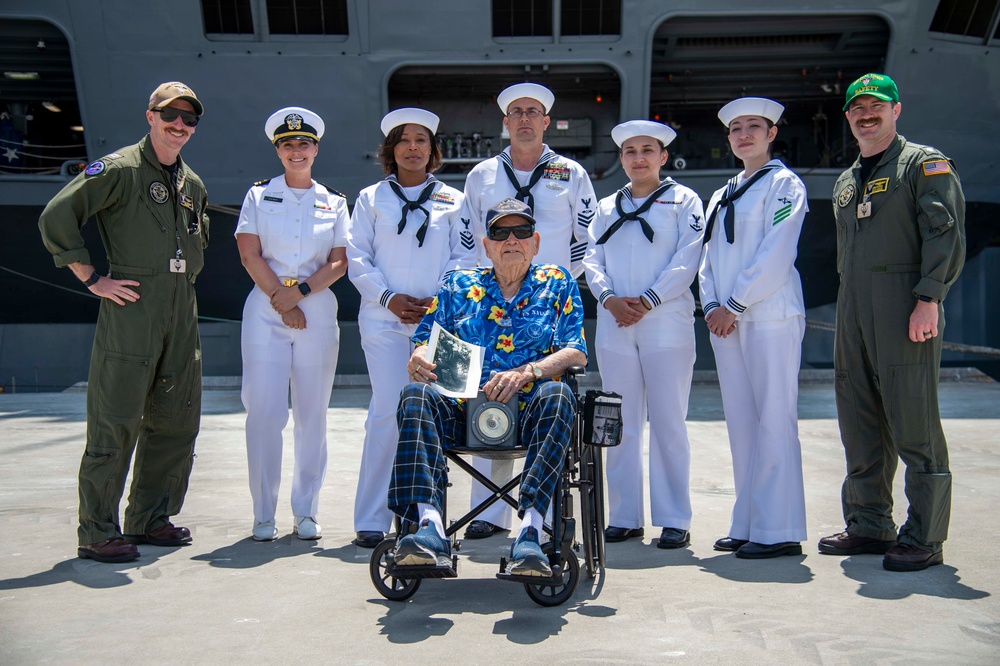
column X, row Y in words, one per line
column 731, row 196
column 524, row 192
column 408, row 206
column 624, row 217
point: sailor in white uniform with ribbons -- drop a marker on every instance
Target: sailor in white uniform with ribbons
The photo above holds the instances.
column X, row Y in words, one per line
column 752, row 298
column 405, row 233
column 291, row 235
column 563, row 203
column 645, row 245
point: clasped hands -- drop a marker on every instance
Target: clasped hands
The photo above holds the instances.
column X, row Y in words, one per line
column 285, row 301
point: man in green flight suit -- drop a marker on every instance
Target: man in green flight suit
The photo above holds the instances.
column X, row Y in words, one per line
column 900, row 217
column 144, row 387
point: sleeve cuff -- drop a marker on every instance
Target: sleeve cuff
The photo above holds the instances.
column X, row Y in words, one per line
column 708, row 307
column 653, row 299
column 735, row 306
column 386, row 297
column 64, row 259
column 932, row 288
column 605, row 295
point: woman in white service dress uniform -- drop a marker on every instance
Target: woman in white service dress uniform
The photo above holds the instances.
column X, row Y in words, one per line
column 642, row 257
column 291, row 236
column 752, row 298
column 405, row 233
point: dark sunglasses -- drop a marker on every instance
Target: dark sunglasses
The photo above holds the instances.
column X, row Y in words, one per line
column 503, row 233
column 169, row 114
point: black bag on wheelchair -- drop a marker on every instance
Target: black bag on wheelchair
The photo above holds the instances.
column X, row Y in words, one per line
column 602, row 418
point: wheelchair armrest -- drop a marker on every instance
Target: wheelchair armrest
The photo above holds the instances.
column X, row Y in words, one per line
column 576, row 370
column 572, row 372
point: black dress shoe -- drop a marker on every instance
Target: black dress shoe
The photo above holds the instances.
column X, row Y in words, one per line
column 671, row 537
column 480, row 529
column 164, row 535
column 763, row 551
column 111, row 551
column 615, row 534
column 846, row 543
column 904, row 557
column 368, row 539
column 729, row 544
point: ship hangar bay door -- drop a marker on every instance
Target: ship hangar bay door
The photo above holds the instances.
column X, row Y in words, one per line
column 805, row 62
column 588, row 102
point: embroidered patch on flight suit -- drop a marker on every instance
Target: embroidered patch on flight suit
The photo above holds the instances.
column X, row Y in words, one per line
column 846, row 195
column 556, row 171
column 94, row 168
column 936, row 167
column 187, row 201
column 876, row 186
column 158, row 192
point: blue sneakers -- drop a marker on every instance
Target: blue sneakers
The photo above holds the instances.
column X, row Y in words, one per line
column 527, row 558
column 425, row 548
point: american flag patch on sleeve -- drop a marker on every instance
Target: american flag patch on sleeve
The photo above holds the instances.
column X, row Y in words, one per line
column 936, row 167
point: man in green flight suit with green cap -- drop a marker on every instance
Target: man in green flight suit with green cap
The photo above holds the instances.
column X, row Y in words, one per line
column 144, row 387
column 900, row 216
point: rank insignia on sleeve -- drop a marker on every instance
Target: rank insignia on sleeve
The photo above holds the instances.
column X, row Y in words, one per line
column 187, row 201
column 936, row 167
column 846, row 195
column 94, row 168
column 158, row 192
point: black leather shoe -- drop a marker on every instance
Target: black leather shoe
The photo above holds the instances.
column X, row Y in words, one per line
column 904, row 557
column 846, row 543
column 729, row 544
column 110, row 550
column 671, row 537
column 164, row 535
column 480, row 529
column 615, row 534
column 368, row 539
column 763, row 551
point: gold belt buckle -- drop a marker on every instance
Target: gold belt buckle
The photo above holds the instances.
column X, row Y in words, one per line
column 289, row 282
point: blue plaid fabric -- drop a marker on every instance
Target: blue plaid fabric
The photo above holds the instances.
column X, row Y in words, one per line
column 430, row 424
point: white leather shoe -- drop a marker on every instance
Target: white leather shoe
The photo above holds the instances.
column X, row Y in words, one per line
column 306, row 527
column 265, row 531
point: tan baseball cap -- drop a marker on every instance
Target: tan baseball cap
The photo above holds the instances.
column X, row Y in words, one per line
column 168, row 92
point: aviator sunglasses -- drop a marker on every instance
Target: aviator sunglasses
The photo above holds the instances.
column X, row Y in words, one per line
column 503, row 233
column 169, row 114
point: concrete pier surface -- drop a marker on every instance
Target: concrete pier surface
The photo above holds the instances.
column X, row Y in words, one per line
column 226, row 599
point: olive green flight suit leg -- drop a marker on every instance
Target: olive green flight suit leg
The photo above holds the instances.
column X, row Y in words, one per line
column 906, row 380
column 165, row 452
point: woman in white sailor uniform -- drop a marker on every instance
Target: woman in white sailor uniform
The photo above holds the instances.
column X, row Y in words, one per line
column 643, row 253
column 291, row 236
column 752, row 298
column 405, row 233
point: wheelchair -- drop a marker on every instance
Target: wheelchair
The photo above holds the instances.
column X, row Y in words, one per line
column 597, row 424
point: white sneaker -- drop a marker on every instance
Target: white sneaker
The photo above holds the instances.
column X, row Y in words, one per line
column 265, row 531
column 306, row 527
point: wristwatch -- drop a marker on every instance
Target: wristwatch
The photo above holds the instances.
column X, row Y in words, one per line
column 535, row 370
column 926, row 299
column 92, row 280
column 304, row 288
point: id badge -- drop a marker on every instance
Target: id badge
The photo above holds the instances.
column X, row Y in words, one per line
column 178, row 265
column 864, row 209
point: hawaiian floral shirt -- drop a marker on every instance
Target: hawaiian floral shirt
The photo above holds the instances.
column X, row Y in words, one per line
column 545, row 316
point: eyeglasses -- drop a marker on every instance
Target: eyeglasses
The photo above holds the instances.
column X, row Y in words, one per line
column 169, row 114
column 503, row 233
column 532, row 113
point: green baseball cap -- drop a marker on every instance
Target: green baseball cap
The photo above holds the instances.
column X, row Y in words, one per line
column 876, row 85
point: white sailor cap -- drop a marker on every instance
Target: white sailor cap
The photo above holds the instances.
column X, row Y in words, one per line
column 530, row 90
column 294, row 122
column 409, row 115
column 632, row 128
column 750, row 106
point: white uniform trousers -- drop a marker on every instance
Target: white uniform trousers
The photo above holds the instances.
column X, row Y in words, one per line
column 650, row 363
column 274, row 357
column 758, row 368
column 387, row 349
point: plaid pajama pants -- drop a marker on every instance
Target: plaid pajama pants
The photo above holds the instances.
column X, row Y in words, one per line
column 430, row 424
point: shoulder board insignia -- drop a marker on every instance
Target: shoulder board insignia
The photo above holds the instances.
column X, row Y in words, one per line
column 333, row 191
column 262, row 182
column 936, row 167
column 94, row 168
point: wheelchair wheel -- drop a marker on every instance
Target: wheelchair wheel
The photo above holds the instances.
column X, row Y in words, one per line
column 554, row 595
column 394, row 589
column 592, row 509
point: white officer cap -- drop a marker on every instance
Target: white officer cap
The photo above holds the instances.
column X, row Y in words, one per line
column 409, row 115
column 625, row 131
column 750, row 106
column 539, row 93
column 294, row 122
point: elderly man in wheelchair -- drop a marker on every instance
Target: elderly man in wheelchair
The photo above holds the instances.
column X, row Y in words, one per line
column 529, row 319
